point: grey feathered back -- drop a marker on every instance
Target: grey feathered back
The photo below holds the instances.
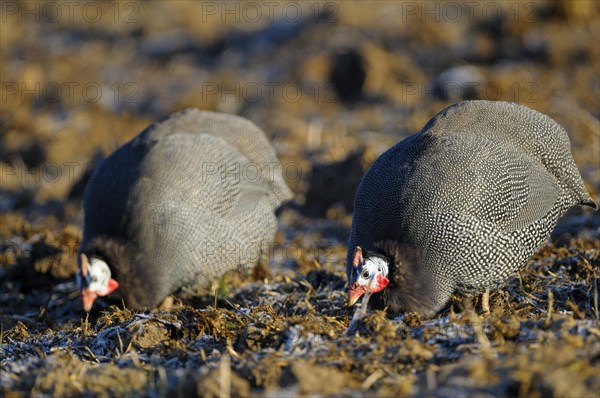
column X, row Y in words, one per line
column 475, row 192
column 188, row 199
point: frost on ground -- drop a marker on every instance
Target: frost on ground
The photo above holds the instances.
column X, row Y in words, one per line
column 290, row 333
column 284, row 329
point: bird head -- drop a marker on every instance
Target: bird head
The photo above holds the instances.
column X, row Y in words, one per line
column 94, row 279
column 370, row 274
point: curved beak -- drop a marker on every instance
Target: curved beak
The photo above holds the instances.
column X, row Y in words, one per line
column 355, row 291
column 87, row 298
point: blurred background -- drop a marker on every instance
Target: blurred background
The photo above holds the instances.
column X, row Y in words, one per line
column 332, row 84
column 325, row 80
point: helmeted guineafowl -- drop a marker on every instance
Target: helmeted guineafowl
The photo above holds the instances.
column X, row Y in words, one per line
column 186, row 200
column 459, row 206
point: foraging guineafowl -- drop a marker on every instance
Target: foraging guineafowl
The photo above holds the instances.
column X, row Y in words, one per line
column 460, row 206
column 188, row 199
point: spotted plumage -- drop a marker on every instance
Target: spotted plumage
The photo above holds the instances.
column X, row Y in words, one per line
column 470, row 198
column 189, row 198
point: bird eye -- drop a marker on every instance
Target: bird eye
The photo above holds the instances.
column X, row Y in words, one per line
column 378, row 269
column 94, row 279
column 365, row 274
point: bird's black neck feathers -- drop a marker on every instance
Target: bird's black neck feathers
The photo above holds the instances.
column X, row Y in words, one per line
column 410, row 289
column 109, row 250
column 120, row 257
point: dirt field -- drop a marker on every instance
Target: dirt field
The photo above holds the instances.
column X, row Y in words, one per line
column 81, row 78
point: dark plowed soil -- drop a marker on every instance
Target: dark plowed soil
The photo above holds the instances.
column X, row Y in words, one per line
column 79, row 79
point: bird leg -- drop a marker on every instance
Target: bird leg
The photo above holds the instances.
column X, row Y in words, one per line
column 485, row 302
column 471, row 316
column 166, row 304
